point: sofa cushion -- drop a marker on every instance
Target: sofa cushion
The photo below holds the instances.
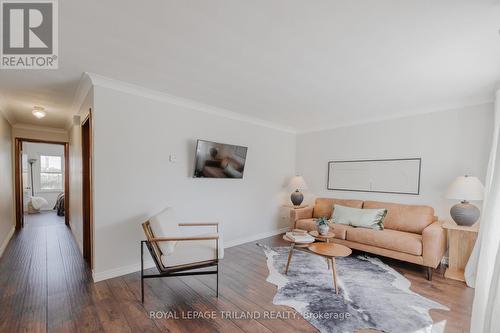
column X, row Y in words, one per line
column 340, row 230
column 409, row 218
column 387, row 239
column 323, row 207
column 306, row 224
column 310, row 224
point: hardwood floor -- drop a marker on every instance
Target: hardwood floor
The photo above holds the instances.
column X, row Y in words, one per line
column 45, row 286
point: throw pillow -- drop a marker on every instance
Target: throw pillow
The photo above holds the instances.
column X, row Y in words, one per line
column 364, row 218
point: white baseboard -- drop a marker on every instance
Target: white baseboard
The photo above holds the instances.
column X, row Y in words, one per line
column 6, row 241
column 119, row 271
column 252, row 238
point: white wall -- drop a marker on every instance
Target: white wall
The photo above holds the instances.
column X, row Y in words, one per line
column 450, row 143
column 136, row 130
column 133, row 178
column 6, row 184
column 39, row 133
column 75, row 171
column 35, row 150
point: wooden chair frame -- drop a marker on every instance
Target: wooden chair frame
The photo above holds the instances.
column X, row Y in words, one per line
column 178, row 270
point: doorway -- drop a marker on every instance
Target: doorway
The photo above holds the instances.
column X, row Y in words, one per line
column 87, row 189
column 41, row 180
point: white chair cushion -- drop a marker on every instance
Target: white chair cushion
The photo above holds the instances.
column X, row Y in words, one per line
column 163, row 224
column 186, row 231
column 187, row 252
column 175, row 253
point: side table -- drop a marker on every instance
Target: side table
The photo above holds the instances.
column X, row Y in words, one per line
column 461, row 241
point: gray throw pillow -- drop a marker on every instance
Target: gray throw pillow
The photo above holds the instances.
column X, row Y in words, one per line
column 356, row 217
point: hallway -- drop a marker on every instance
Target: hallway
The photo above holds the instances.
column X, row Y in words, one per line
column 44, row 281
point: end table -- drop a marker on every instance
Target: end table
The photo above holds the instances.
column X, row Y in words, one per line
column 461, row 241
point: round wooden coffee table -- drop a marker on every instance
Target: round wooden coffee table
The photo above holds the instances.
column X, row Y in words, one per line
column 294, row 246
column 330, row 251
column 323, row 238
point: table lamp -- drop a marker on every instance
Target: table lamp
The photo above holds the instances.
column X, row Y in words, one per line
column 465, row 188
column 297, row 183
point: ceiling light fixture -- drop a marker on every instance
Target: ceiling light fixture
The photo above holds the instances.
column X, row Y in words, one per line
column 39, row 112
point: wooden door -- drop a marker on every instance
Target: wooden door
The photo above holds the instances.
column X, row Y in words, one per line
column 66, row 184
column 87, row 189
column 19, row 187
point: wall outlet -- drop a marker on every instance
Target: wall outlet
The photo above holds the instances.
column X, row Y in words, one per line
column 172, row 158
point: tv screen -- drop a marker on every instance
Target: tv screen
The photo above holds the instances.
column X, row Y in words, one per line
column 219, row 160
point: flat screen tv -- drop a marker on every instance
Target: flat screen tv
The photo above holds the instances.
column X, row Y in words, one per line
column 219, row 160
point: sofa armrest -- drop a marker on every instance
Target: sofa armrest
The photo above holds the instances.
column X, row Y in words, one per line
column 434, row 238
column 299, row 214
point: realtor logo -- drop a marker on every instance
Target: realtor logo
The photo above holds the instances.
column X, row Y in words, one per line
column 29, row 34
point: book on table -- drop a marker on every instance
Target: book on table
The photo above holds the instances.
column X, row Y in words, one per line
column 304, row 238
column 299, row 232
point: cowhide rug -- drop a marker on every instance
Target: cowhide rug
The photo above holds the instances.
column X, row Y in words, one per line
column 372, row 295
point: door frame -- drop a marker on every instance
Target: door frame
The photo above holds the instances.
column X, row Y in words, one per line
column 87, row 191
column 18, row 145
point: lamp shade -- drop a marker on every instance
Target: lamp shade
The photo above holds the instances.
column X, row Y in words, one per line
column 297, row 183
column 465, row 188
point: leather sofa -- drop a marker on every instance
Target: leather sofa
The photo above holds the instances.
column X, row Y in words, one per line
column 411, row 233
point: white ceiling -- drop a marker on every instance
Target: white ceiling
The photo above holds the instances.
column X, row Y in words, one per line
column 304, row 64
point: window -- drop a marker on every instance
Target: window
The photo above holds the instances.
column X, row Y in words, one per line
column 51, row 173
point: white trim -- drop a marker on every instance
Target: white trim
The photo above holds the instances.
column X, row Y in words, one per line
column 88, row 79
column 105, row 82
column 252, row 238
column 119, row 271
column 39, row 128
column 84, row 86
column 393, row 116
column 8, row 116
column 6, row 241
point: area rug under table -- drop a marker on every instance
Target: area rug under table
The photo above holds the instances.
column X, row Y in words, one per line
column 372, row 295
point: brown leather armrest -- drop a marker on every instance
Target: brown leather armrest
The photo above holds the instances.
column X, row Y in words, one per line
column 433, row 244
column 299, row 214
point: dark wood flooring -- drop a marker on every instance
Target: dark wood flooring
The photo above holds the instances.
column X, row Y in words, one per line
column 45, row 286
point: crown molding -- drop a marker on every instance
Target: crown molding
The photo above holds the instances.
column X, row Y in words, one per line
column 40, row 128
column 89, row 79
column 8, row 116
column 395, row 116
column 105, row 82
column 84, row 86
